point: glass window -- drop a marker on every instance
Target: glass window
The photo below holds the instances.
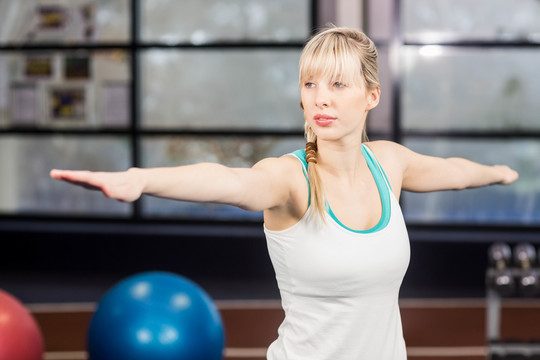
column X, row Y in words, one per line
column 518, row 203
column 66, row 95
column 54, row 89
column 380, row 118
column 470, row 88
column 221, row 89
column 35, row 21
column 196, row 21
column 229, row 151
column 440, row 20
column 380, row 19
column 26, row 162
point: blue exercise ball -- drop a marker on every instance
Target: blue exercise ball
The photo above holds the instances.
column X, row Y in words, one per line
column 157, row 316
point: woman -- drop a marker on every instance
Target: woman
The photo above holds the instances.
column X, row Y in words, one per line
column 334, row 228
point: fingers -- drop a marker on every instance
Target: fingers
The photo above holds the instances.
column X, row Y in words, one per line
column 508, row 175
column 512, row 176
column 54, row 173
column 76, row 177
column 112, row 185
column 63, row 174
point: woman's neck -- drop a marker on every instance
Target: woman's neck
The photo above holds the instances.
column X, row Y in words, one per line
column 341, row 161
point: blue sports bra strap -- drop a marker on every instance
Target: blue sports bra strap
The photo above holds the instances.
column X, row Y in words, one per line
column 301, row 156
column 374, row 162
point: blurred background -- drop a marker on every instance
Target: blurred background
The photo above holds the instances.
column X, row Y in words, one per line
column 110, row 84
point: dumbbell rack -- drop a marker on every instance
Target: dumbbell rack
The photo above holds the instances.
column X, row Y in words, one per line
column 498, row 349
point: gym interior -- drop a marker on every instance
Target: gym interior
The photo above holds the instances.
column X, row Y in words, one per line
column 458, row 78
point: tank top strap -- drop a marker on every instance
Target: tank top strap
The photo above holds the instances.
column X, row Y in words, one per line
column 374, row 164
column 301, row 156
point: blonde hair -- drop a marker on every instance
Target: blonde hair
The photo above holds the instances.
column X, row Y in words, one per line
column 340, row 54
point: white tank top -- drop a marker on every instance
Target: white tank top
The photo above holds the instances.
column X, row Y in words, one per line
column 339, row 287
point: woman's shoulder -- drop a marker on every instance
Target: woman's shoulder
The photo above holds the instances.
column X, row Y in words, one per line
column 383, row 145
column 392, row 157
column 385, row 148
column 285, row 164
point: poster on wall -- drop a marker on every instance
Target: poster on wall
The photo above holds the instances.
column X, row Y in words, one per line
column 24, row 104
column 51, row 17
column 39, row 67
column 72, row 20
column 115, row 100
column 76, row 67
column 87, row 13
column 67, row 105
column 52, row 20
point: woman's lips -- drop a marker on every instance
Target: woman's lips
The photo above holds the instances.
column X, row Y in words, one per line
column 323, row 120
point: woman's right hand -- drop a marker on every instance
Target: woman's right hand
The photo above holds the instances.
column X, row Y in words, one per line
column 122, row 186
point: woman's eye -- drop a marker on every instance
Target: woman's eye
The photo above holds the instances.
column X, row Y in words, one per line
column 310, row 85
column 339, row 84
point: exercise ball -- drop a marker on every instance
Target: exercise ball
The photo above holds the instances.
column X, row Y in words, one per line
column 156, row 315
column 20, row 336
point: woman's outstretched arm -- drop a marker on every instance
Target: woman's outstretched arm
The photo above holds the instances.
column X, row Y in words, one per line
column 258, row 188
column 423, row 173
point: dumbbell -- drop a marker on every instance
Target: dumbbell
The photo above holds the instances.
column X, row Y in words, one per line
column 508, row 356
column 528, row 280
column 500, row 277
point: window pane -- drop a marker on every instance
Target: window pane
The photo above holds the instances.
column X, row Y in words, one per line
column 380, row 118
column 64, row 89
column 465, row 19
column 235, row 152
column 233, row 20
column 518, row 203
column 34, row 21
column 470, row 89
column 232, row 89
column 380, row 19
column 26, row 162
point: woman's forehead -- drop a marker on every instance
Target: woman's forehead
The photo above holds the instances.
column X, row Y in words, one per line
column 331, row 67
column 332, row 74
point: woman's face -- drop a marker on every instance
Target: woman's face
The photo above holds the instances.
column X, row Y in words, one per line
column 336, row 110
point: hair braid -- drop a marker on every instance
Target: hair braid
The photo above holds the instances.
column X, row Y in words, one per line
column 315, row 183
column 311, row 152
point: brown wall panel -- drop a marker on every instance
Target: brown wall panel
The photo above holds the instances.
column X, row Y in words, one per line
column 521, row 323
column 64, row 331
column 447, row 358
column 426, row 324
column 444, row 326
column 251, row 327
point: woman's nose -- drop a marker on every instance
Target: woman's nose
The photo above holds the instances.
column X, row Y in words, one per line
column 322, row 99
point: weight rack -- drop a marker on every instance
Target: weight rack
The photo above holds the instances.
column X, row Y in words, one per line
column 498, row 349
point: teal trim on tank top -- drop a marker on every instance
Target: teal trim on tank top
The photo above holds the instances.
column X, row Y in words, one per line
column 384, row 193
column 383, row 185
column 301, row 155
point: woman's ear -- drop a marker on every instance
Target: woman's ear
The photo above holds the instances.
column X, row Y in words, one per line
column 373, row 98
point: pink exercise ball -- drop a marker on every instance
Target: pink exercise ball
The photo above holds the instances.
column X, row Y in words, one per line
column 20, row 336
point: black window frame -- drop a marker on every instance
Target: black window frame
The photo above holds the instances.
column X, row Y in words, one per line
column 449, row 232
column 137, row 223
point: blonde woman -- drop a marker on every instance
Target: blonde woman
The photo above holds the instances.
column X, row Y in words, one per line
column 332, row 219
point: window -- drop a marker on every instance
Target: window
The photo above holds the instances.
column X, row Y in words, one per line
column 464, row 80
column 110, row 84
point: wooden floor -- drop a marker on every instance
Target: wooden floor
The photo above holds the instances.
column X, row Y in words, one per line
column 437, row 329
